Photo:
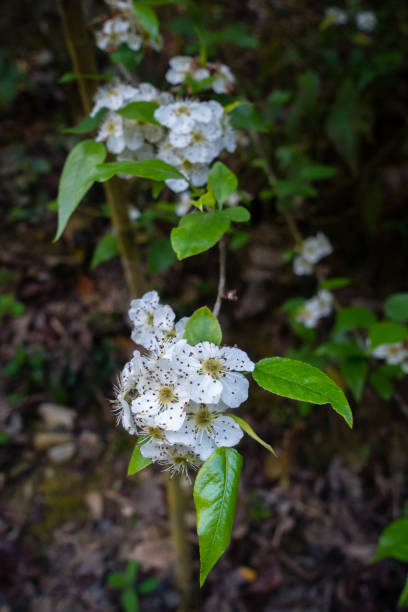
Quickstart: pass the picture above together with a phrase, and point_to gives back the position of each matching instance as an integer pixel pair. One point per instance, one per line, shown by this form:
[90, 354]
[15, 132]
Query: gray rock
[62, 452]
[57, 416]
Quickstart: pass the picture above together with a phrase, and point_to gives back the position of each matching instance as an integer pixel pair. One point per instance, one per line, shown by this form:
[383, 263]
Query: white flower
[301, 267]
[336, 15]
[224, 80]
[111, 131]
[394, 353]
[113, 33]
[212, 373]
[325, 301]
[366, 21]
[184, 204]
[113, 96]
[177, 459]
[308, 314]
[181, 116]
[165, 400]
[125, 393]
[314, 248]
[150, 318]
[206, 428]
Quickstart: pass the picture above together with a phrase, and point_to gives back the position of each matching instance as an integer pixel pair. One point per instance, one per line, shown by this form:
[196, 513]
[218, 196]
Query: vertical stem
[183, 567]
[222, 277]
[83, 62]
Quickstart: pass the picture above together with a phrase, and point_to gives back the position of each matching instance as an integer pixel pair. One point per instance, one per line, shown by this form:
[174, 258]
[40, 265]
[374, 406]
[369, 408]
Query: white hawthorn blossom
[113, 96]
[175, 396]
[336, 15]
[310, 313]
[183, 67]
[394, 353]
[111, 131]
[366, 21]
[312, 250]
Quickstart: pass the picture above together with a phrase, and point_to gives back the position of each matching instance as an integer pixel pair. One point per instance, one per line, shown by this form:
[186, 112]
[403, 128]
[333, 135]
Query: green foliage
[215, 498]
[355, 370]
[139, 111]
[199, 231]
[127, 57]
[394, 541]
[131, 591]
[77, 178]
[137, 461]
[106, 249]
[10, 306]
[248, 430]
[222, 181]
[351, 318]
[203, 326]
[245, 116]
[301, 381]
[88, 123]
[334, 283]
[153, 169]
[385, 332]
[396, 307]
[160, 256]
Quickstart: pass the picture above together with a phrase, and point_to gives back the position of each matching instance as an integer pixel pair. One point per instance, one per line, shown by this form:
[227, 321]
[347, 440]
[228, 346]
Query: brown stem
[222, 277]
[183, 567]
[83, 62]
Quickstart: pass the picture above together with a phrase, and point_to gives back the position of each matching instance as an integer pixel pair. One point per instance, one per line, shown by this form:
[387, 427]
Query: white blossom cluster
[320, 305]
[175, 396]
[185, 204]
[394, 353]
[312, 250]
[183, 67]
[336, 15]
[125, 27]
[365, 20]
[188, 134]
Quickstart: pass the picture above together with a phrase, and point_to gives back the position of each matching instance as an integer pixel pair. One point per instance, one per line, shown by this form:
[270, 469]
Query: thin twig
[222, 246]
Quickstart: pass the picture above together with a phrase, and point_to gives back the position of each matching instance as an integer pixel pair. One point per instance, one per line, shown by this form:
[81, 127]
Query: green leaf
[148, 586]
[381, 383]
[77, 178]
[137, 461]
[139, 111]
[386, 332]
[403, 600]
[203, 326]
[215, 498]
[153, 169]
[147, 18]
[197, 232]
[394, 541]
[334, 283]
[355, 372]
[117, 581]
[396, 307]
[127, 57]
[73, 76]
[301, 381]
[351, 318]
[237, 213]
[245, 116]
[106, 249]
[131, 571]
[248, 430]
[130, 600]
[285, 188]
[160, 256]
[342, 348]
[316, 172]
[88, 124]
[222, 181]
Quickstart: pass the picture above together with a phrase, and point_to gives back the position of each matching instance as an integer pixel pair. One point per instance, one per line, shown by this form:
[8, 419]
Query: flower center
[113, 92]
[170, 334]
[166, 395]
[111, 127]
[212, 366]
[197, 138]
[203, 418]
[183, 110]
[155, 432]
[150, 319]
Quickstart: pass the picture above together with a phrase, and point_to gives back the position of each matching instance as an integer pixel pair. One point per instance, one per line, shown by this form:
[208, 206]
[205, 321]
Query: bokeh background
[308, 522]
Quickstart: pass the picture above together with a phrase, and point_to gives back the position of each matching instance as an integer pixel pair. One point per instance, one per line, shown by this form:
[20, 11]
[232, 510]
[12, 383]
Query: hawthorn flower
[111, 131]
[115, 32]
[308, 313]
[113, 96]
[302, 267]
[315, 248]
[224, 79]
[325, 302]
[366, 21]
[125, 393]
[393, 353]
[206, 428]
[336, 15]
[149, 317]
[176, 459]
[164, 399]
[183, 66]
[181, 116]
[212, 373]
